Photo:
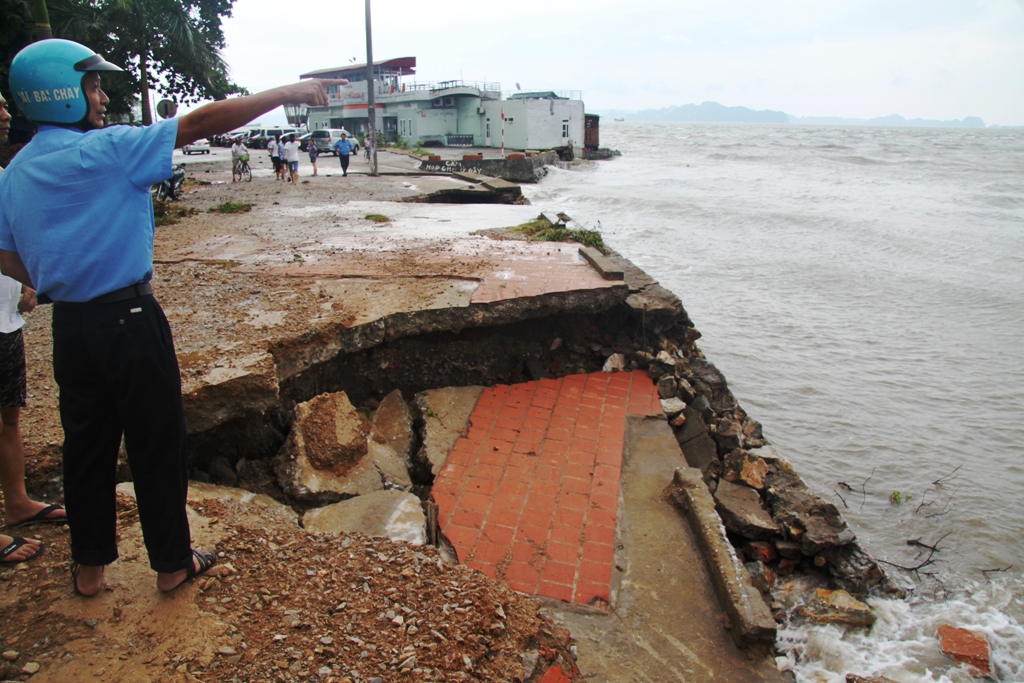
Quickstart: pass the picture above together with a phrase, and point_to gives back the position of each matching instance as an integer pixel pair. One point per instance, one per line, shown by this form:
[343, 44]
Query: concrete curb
[602, 264]
[752, 625]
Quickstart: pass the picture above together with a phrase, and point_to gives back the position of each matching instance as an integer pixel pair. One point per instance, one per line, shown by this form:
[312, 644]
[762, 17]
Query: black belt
[129, 292]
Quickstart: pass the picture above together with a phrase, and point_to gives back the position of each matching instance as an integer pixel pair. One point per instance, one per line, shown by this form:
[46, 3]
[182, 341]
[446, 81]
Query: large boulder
[394, 514]
[328, 455]
[701, 454]
[393, 422]
[743, 467]
[728, 435]
[742, 512]
[707, 373]
[837, 607]
[445, 414]
[805, 517]
[855, 570]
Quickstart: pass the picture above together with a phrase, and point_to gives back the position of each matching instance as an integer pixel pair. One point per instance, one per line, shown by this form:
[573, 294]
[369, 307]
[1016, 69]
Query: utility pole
[42, 17]
[371, 110]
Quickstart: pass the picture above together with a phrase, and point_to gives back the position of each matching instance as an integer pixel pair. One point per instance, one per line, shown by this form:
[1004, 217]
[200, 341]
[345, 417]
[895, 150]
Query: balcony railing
[564, 94]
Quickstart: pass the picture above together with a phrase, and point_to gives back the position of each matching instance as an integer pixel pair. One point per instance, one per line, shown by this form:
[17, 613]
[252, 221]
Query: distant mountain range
[713, 112]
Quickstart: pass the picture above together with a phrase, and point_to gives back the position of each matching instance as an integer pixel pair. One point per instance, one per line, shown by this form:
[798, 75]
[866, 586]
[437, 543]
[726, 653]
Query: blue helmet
[46, 79]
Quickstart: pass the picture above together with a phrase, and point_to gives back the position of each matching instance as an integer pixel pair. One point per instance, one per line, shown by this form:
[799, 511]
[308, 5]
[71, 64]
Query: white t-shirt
[291, 150]
[272, 147]
[10, 295]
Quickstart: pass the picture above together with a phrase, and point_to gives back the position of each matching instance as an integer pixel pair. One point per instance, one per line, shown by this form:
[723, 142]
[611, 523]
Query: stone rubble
[331, 454]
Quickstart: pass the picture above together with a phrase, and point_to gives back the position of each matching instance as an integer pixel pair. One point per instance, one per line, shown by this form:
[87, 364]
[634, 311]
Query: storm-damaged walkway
[530, 495]
[555, 486]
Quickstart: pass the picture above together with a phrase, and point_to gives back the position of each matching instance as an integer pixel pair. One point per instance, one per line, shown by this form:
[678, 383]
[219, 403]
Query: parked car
[259, 138]
[226, 139]
[326, 137]
[304, 142]
[200, 146]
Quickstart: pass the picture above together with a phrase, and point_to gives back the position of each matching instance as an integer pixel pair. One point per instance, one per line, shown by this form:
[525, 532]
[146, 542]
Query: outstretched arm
[226, 115]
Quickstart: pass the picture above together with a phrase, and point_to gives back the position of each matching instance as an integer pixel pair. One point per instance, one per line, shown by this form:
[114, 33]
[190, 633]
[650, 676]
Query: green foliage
[541, 229]
[231, 207]
[377, 218]
[173, 45]
[422, 152]
[897, 497]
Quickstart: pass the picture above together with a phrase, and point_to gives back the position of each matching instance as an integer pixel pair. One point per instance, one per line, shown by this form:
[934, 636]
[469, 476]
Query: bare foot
[26, 551]
[88, 580]
[202, 560]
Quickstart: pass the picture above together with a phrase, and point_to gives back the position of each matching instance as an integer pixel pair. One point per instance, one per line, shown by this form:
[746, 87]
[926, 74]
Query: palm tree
[176, 41]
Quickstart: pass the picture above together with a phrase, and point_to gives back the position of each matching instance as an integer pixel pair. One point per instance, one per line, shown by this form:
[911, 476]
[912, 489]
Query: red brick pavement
[531, 493]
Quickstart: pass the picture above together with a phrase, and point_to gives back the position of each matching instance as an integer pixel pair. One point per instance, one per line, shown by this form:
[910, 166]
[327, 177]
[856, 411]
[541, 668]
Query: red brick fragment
[966, 647]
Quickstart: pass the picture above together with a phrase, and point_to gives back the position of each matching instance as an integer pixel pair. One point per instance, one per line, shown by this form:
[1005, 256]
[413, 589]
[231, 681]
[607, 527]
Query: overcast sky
[937, 59]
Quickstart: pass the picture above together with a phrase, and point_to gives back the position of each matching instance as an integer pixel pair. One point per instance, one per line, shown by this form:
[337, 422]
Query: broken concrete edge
[753, 627]
[296, 356]
[601, 264]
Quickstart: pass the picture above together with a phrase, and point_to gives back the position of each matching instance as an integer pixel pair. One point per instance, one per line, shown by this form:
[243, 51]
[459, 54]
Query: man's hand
[313, 92]
[28, 300]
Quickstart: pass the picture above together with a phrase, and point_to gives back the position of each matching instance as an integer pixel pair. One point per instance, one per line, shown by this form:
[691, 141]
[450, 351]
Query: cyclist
[237, 150]
[90, 251]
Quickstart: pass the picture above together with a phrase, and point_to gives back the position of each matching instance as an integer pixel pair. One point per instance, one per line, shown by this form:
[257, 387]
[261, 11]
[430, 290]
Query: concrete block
[753, 627]
[602, 264]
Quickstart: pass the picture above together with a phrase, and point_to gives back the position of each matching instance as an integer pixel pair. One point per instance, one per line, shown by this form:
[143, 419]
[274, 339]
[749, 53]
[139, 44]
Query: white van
[325, 138]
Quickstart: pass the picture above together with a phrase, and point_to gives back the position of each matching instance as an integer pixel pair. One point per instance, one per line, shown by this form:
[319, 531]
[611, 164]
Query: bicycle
[242, 170]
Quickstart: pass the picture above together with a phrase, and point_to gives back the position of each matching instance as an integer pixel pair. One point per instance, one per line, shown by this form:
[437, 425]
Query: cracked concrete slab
[665, 623]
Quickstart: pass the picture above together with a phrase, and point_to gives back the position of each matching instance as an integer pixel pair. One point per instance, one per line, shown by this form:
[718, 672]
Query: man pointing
[76, 223]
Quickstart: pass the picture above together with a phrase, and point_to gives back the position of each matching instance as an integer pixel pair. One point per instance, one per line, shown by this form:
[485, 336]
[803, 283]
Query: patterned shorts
[12, 370]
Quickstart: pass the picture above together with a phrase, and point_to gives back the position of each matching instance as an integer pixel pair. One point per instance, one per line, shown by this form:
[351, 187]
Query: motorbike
[171, 187]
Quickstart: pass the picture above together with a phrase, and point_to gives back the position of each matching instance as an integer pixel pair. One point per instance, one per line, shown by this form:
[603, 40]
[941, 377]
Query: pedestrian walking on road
[276, 157]
[344, 148]
[314, 152]
[76, 223]
[291, 158]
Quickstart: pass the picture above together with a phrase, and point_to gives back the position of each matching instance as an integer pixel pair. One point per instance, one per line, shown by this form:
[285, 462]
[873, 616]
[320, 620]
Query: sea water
[862, 289]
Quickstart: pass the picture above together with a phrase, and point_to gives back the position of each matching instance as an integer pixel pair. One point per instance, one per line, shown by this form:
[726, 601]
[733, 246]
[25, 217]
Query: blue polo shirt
[343, 146]
[77, 208]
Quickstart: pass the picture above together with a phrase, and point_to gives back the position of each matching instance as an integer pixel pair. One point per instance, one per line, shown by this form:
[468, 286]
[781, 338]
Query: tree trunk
[42, 17]
[147, 112]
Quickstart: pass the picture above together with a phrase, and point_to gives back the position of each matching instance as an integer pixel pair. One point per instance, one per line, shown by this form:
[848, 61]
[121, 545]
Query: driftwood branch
[951, 476]
[863, 489]
[986, 572]
[930, 559]
[841, 498]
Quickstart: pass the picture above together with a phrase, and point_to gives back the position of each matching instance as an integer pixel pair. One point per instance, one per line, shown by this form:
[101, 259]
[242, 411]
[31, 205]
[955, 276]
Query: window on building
[487, 126]
[565, 129]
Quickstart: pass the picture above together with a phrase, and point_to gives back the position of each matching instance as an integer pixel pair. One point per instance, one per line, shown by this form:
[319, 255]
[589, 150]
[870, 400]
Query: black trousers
[343, 158]
[118, 374]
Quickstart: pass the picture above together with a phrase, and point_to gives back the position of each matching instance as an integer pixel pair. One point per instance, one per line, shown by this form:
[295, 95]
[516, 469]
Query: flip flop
[17, 542]
[205, 559]
[42, 517]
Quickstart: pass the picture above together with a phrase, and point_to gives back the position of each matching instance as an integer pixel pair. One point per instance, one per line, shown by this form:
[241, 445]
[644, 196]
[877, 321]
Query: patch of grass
[231, 207]
[377, 218]
[422, 152]
[165, 213]
[541, 229]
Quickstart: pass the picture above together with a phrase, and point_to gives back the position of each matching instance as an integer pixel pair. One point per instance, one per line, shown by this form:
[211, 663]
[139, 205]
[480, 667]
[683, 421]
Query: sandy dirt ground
[281, 605]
